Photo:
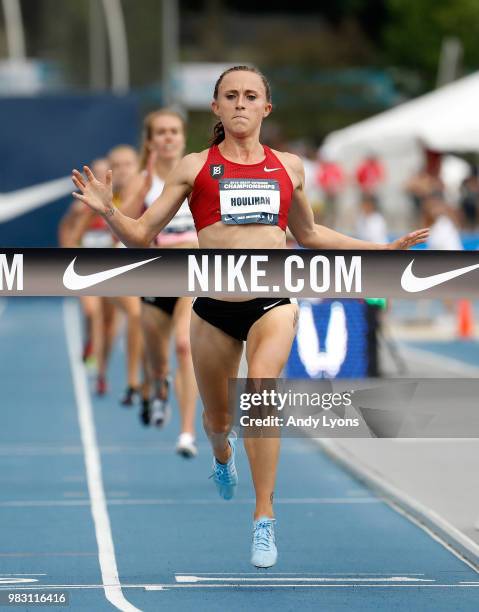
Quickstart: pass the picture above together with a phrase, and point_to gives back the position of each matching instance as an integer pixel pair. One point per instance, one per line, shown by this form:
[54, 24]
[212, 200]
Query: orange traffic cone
[465, 319]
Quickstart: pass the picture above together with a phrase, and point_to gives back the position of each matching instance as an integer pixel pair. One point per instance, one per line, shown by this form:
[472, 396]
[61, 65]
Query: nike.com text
[233, 273]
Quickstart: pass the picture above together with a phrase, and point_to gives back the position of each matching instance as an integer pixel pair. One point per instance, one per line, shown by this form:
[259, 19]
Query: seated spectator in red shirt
[370, 174]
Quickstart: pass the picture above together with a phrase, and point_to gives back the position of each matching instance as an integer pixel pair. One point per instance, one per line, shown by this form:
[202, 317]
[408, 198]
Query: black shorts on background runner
[166, 304]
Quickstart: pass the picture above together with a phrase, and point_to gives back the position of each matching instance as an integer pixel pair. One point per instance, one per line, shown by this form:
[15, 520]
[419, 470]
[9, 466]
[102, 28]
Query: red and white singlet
[98, 235]
[237, 194]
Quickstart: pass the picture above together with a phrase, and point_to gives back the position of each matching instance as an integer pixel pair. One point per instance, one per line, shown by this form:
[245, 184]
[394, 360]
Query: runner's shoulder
[190, 166]
[293, 165]
[290, 161]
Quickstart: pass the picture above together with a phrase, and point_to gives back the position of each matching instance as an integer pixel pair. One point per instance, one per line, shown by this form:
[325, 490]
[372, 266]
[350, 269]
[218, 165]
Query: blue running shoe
[224, 474]
[263, 549]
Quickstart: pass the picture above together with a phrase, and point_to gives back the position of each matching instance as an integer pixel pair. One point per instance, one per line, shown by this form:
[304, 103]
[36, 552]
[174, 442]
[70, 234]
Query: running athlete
[81, 227]
[124, 161]
[242, 99]
[164, 317]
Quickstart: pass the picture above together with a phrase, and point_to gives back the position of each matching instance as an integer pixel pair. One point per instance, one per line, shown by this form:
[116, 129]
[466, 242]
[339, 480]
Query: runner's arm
[313, 236]
[134, 232]
[67, 222]
[79, 227]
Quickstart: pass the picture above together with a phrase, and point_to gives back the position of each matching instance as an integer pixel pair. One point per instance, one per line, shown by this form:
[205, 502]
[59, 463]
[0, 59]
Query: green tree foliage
[416, 28]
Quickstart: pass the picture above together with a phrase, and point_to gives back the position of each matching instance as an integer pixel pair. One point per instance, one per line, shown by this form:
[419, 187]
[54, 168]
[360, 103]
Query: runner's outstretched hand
[410, 240]
[97, 195]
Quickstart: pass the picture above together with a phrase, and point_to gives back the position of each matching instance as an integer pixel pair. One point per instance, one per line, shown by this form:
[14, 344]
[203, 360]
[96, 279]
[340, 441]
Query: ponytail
[218, 134]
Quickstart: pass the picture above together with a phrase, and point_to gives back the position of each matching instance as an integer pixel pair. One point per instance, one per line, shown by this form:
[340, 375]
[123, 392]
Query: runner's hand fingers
[78, 176]
[89, 174]
[78, 184]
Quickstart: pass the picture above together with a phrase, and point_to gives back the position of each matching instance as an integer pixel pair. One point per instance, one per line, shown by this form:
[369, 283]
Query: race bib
[181, 222]
[249, 201]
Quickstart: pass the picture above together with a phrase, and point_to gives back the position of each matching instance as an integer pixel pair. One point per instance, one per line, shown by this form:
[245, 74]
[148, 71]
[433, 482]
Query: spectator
[443, 228]
[427, 182]
[371, 224]
[370, 174]
[470, 199]
[330, 178]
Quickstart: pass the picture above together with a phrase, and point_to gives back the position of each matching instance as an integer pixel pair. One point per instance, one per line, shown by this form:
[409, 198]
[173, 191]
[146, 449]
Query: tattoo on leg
[271, 497]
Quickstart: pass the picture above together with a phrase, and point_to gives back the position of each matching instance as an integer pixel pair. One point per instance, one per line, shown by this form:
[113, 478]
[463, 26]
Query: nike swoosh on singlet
[412, 284]
[271, 305]
[270, 169]
[76, 282]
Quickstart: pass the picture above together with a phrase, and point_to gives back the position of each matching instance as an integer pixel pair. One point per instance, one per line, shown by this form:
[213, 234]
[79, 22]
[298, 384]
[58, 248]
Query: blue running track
[177, 546]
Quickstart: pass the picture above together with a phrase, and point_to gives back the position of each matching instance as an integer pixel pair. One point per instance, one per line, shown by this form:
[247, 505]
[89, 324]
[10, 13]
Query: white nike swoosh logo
[76, 282]
[270, 169]
[271, 305]
[21, 201]
[411, 283]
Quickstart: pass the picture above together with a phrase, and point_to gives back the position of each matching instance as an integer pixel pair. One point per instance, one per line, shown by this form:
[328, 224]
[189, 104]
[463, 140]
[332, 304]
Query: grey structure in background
[97, 47]
[115, 24]
[170, 49]
[14, 29]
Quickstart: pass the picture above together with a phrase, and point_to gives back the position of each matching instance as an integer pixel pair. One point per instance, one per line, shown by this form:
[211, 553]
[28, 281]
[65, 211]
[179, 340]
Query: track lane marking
[101, 520]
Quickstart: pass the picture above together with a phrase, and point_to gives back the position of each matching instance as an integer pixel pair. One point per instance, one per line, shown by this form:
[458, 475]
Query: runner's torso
[241, 205]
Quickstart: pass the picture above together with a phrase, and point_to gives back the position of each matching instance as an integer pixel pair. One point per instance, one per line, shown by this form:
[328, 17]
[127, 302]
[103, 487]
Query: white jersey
[444, 235]
[182, 221]
[372, 228]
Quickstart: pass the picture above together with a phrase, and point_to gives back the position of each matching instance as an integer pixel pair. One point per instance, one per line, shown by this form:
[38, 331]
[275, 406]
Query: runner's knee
[182, 346]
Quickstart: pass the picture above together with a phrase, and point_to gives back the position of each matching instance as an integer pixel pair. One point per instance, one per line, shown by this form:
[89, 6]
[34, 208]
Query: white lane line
[166, 585]
[302, 574]
[13, 580]
[44, 503]
[300, 585]
[49, 503]
[279, 501]
[106, 549]
[53, 450]
[319, 579]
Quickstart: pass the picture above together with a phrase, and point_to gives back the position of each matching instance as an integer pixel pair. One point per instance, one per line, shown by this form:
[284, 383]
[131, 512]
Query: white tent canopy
[446, 119]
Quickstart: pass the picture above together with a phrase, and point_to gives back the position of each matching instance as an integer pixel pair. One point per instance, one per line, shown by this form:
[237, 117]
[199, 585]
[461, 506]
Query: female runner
[242, 99]
[163, 317]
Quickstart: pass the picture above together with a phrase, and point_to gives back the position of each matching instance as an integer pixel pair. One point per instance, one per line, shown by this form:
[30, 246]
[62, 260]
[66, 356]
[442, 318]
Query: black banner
[238, 273]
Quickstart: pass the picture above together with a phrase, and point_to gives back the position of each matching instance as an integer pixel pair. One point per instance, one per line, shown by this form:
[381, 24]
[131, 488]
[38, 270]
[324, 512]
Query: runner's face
[241, 103]
[124, 165]
[167, 137]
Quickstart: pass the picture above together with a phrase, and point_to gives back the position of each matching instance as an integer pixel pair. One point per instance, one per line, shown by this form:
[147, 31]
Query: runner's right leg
[185, 381]
[157, 328]
[108, 333]
[216, 358]
[131, 306]
[93, 326]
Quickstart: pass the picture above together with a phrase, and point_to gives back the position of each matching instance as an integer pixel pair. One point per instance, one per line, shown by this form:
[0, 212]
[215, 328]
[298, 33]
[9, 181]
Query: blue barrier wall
[43, 139]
